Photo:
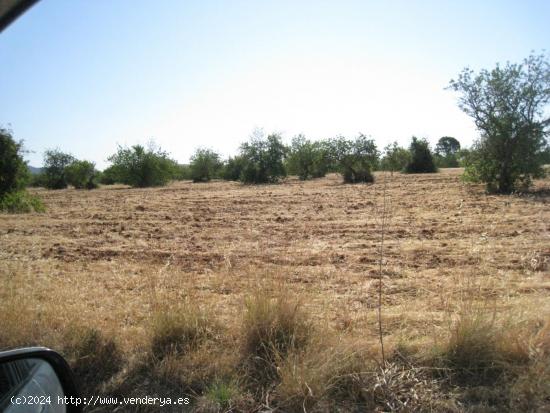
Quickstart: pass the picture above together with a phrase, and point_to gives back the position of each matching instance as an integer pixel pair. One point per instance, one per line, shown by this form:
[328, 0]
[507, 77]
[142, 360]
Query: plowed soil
[108, 255]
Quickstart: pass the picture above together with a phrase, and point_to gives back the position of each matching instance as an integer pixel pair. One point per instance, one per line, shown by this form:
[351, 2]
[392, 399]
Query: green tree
[14, 174]
[182, 172]
[205, 165]
[82, 174]
[446, 152]
[233, 168]
[508, 106]
[108, 176]
[263, 159]
[307, 159]
[462, 156]
[545, 155]
[447, 145]
[395, 158]
[421, 157]
[354, 159]
[55, 164]
[142, 167]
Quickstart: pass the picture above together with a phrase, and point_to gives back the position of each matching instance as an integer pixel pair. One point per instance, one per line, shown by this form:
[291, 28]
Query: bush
[446, 161]
[263, 159]
[421, 157]
[82, 174]
[395, 158]
[141, 167]
[55, 164]
[478, 353]
[38, 180]
[21, 202]
[307, 159]
[107, 176]
[354, 159]
[205, 165]
[233, 168]
[14, 173]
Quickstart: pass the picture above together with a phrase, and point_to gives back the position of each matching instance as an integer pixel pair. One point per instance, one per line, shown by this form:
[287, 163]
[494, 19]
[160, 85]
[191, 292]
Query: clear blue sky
[85, 75]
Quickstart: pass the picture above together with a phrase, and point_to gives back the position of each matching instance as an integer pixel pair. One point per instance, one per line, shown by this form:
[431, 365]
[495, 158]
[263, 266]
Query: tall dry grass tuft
[321, 377]
[271, 329]
[531, 390]
[475, 353]
[181, 329]
[94, 357]
[188, 348]
[19, 325]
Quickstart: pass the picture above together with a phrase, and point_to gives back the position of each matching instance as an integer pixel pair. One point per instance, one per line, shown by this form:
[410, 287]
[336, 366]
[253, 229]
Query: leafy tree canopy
[421, 160]
[307, 159]
[82, 174]
[55, 163]
[205, 165]
[395, 158]
[14, 173]
[139, 166]
[263, 159]
[354, 158]
[447, 145]
[508, 106]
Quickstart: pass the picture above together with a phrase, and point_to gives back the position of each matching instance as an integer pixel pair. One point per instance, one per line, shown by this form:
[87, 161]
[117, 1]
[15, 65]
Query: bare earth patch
[104, 253]
[111, 258]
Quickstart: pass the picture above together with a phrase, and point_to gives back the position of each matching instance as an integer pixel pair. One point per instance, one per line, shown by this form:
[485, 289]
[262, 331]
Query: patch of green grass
[222, 393]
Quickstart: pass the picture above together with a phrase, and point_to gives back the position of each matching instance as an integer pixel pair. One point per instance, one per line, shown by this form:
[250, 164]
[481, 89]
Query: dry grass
[272, 328]
[465, 281]
[180, 329]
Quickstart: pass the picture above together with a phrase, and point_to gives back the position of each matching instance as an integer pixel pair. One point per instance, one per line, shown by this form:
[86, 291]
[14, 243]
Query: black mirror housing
[56, 362]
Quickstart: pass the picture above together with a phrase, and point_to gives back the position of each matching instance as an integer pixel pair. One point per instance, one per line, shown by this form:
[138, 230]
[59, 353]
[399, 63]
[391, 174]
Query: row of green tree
[263, 159]
[509, 105]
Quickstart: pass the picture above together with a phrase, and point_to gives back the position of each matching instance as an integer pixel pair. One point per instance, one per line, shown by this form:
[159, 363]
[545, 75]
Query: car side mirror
[36, 379]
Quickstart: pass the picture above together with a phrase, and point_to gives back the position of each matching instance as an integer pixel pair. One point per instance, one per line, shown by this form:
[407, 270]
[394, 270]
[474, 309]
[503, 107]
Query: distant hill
[34, 171]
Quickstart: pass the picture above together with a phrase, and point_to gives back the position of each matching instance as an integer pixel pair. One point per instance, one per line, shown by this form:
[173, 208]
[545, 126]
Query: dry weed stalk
[383, 224]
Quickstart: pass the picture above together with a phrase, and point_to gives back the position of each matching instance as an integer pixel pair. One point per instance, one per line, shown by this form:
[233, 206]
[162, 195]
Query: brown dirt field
[106, 257]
